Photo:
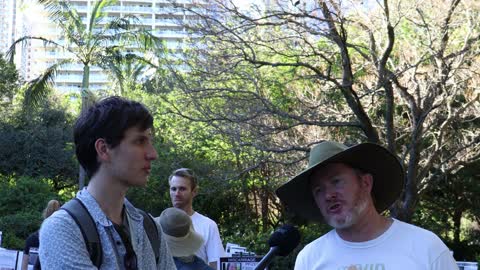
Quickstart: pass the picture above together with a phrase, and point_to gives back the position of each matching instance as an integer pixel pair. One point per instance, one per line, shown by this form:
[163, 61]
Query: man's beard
[352, 216]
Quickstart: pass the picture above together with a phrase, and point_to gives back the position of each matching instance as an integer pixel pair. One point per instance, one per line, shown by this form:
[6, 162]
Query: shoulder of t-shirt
[419, 231]
[205, 218]
[421, 235]
[431, 243]
[319, 241]
[58, 221]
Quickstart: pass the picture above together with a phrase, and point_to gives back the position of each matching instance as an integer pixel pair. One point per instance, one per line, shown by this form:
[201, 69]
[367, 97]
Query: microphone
[281, 243]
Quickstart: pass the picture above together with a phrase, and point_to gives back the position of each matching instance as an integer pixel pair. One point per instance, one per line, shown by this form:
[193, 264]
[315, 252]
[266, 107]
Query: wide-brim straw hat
[387, 171]
[179, 234]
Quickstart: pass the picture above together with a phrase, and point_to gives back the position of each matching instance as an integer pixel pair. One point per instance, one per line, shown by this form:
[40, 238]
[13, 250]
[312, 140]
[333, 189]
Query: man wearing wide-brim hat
[349, 188]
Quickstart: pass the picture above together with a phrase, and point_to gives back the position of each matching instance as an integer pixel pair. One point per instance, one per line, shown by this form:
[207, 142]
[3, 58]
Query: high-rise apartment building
[7, 23]
[162, 17]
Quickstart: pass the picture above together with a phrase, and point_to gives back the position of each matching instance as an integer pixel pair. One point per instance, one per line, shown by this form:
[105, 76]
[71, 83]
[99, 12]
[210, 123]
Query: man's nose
[330, 194]
[151, 153]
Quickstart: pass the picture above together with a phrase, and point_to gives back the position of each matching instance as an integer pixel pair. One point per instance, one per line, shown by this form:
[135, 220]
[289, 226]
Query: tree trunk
[457, 219]
[85, 104]
[404, 207]
[265, 208]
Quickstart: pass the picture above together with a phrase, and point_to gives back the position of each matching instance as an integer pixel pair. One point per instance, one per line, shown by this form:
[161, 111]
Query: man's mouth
[335, 208]
[177, 202]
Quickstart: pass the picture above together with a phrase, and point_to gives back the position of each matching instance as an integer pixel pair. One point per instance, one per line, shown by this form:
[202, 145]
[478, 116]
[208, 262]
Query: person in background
[32, 243]
[182, 240]
[349, 188]
[183, 188]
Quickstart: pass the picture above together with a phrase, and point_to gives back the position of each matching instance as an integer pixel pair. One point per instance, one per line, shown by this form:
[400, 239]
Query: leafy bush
[22, 200]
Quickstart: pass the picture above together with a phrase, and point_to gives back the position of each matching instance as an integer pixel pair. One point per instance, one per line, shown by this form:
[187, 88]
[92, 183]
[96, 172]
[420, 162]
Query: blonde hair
[52, 206]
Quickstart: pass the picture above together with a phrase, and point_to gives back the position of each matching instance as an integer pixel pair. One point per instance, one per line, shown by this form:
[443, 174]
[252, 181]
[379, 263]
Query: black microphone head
[286, 238]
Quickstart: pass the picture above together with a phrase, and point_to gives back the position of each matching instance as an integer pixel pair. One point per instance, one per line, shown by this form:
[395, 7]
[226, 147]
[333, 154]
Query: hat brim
[184, 246]
[387, 172]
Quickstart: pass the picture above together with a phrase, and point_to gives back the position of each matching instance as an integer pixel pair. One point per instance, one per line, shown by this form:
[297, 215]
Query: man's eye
[317, 190]
[338, 182]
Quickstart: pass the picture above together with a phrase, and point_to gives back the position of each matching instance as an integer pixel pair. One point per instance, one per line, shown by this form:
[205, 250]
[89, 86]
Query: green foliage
[22, 200]
[9, 79]
[450, 208]
[17, 227]
[9, 85]
[39, 144]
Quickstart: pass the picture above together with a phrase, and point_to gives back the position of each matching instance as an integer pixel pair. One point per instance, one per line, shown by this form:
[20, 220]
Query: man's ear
[101, 148]
[367, 181]
[195, 191]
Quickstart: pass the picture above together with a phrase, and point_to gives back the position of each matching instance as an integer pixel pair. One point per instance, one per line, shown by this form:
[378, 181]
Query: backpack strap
[152, 232]
[85, 223]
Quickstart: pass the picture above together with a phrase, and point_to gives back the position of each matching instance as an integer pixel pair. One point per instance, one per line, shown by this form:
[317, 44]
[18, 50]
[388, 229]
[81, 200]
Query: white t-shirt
[403, 246]
[212, 248]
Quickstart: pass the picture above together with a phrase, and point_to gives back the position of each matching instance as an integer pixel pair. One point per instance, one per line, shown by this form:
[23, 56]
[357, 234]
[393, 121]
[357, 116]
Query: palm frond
[147, 40]
[119, 25]
[10, 55]
[39, 88]
[54, 8]
[137, 69]
[133, 57]
[98, 13]
[75, 30]
[113, 64]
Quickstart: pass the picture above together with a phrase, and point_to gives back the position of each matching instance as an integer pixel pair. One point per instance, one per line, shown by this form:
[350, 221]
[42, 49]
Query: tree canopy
[285, 77]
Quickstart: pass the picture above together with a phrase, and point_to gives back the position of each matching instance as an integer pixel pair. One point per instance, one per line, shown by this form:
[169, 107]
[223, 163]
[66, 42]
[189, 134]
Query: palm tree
[126, 70]
[91, 42]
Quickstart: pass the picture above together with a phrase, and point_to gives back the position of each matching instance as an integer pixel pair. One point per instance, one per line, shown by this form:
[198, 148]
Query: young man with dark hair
[113, 143]
[183, 188]
[349, 188]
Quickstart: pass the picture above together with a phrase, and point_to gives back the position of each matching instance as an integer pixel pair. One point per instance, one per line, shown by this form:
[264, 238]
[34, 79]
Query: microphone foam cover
[286, 238]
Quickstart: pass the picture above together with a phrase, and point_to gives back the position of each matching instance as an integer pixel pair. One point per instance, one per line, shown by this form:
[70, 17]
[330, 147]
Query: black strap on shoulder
[84, 220]
[152, 232]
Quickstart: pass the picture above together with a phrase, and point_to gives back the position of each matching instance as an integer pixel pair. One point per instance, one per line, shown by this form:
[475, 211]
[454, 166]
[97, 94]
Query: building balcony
[169, 34]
